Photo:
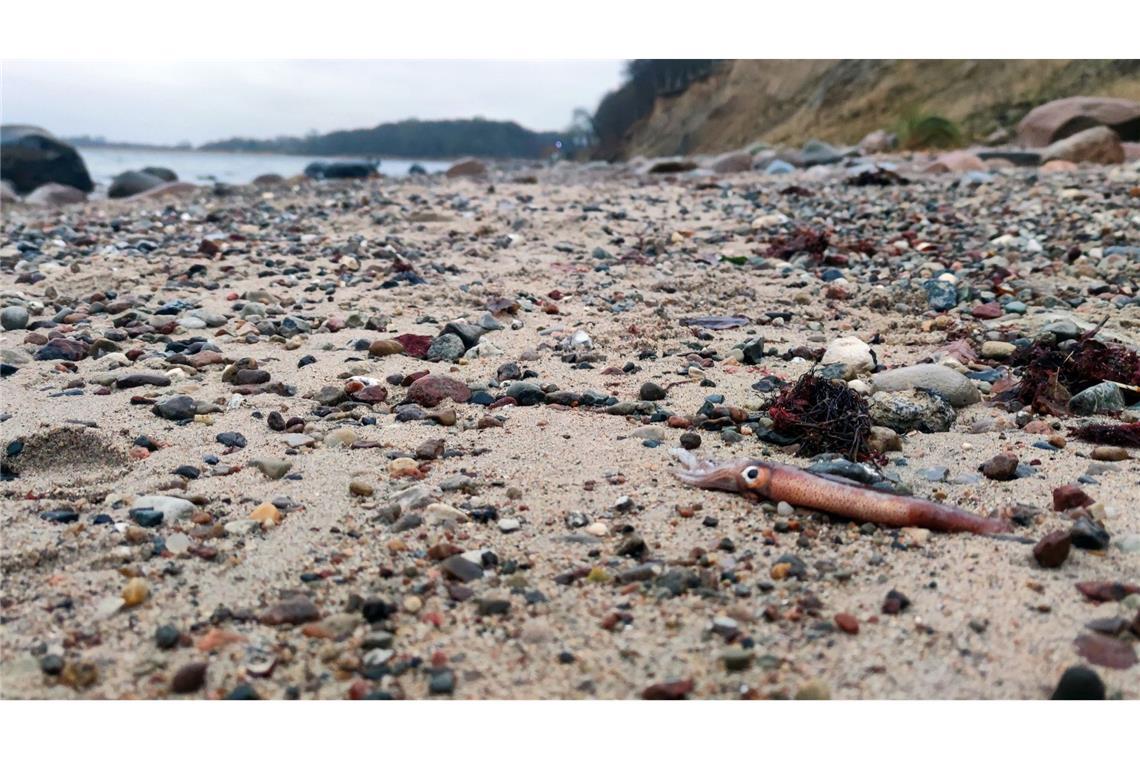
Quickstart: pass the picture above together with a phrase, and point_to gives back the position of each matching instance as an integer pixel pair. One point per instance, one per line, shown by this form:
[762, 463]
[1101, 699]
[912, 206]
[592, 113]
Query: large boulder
[1063, 118]
[30, 157]
[55, 194]
[470, 167]
[132, 183]
[1099, 145]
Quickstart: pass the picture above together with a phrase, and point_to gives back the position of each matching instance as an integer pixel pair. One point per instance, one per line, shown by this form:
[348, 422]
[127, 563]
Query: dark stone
[134, 381]
[176, 408]
[164, 174]
[442, 682]
[465, 331]
[231, 440]
[243, 692]
[132, 183]
[166, 636]
[753, 351]
[51, 665]
[147, 518]
[526, 394]
[31, 157]
[1088, 534]
[1079, 682]
[376, 609]
[487, 607]
[940, 295]
[189, 678]
[651, 392]
[60, 515]
[62, 349]
[1053, 549]
[895, 602]
[341, 169]
[690, 441]
[461, 569]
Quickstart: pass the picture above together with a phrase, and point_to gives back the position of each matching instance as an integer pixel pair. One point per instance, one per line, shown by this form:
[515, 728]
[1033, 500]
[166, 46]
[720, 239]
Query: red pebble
[1069, 497]
[847, 623]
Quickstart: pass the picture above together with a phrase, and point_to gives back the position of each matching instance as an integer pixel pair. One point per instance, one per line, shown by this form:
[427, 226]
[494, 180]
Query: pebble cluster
[380, 439]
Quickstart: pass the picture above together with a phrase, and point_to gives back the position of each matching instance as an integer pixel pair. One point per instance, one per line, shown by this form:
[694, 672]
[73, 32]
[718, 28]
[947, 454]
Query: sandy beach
[289, 533]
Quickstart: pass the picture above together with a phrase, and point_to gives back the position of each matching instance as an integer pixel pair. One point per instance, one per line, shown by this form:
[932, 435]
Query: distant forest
[410, 139]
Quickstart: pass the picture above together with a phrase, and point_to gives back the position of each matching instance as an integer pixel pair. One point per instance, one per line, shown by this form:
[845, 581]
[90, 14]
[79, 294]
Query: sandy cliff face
[840, 101]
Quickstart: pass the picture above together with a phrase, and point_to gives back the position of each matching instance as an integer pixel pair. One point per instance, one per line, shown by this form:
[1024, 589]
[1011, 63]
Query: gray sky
[166, 102]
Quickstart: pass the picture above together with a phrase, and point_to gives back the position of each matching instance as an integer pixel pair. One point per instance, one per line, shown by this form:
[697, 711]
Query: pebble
[1079, 682]
[135, 592]
[189, 678]
[272, 468]
[1000, 467]
[1110, 454]
[14, 318]
[1053, 549]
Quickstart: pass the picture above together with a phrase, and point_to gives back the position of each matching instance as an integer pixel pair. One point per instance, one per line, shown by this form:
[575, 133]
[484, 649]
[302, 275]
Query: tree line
[411, 138]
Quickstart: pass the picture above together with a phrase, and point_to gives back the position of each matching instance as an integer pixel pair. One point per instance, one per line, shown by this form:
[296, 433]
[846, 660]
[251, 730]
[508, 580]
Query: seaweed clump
[803, 240]
[1127, 434]
[823, 416]
[1052, 375]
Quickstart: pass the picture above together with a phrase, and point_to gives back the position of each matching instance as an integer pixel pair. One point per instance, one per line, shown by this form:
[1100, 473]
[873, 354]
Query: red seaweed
[1126, 434]
[1052, 375]
[823, 416]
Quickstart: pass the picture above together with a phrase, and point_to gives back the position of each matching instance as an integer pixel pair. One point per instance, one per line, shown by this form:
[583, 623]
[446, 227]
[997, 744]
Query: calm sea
[233, 168]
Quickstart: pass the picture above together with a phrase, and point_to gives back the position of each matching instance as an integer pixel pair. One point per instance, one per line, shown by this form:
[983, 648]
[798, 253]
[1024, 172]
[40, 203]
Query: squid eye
[751, 474]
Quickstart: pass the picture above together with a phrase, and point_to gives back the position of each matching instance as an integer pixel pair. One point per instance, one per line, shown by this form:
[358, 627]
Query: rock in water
[31, 157]
[132, 183]
[470, 167]
[164, 174]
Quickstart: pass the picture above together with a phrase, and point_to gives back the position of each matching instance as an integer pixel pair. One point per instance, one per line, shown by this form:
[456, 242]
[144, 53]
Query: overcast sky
[167, 102]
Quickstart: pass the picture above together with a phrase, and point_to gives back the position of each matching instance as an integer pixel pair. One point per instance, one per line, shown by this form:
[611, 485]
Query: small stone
[447, 347]
[895, 602]
[813, 690]
[1053, 549]
[651, 392]
[1068, 497]
[135, 592]
[431, 390]
[1089, 535]
[176, 408]
[403, 467]
[167, 636]
[442, 681]
[189, 678]
[266, 514]
[461, 569]
[385, 347]
[293, 611]
[852, 353]
[996, 349]
[1000, 467]
[690, 441]
[1109, 454]
[358, 487]
[1079, 682]
[509, 525]
[272, 468]
[847, 623]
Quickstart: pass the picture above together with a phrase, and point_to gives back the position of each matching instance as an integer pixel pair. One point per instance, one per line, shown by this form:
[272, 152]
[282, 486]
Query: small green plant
[918, 131]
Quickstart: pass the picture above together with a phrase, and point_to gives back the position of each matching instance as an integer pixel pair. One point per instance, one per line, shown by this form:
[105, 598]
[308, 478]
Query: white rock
[171, 507]
[509, 525]
[438, 513]
[852, 353]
